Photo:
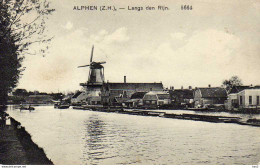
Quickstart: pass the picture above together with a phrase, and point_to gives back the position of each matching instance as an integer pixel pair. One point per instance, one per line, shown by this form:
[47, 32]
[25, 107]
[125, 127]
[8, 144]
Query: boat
[251, 122]
[61, 106]
[201, 109]
[27, 108]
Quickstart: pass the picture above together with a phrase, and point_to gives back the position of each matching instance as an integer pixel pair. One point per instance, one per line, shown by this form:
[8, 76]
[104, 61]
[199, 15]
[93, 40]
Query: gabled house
[155, 99]
[163, 99]
[181, 97]
[136, 100]
[80, 98]
[204, 97]
[75, 98]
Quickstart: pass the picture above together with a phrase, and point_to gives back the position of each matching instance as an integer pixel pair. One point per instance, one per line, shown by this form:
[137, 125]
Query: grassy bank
[17, 147]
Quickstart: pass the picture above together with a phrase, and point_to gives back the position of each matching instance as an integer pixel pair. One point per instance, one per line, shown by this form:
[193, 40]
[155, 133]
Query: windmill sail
[96, 71]
[83, 66]
[91, 56]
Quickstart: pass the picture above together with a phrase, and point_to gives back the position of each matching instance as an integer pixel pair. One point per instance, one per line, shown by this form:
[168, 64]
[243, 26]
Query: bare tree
[22, 24]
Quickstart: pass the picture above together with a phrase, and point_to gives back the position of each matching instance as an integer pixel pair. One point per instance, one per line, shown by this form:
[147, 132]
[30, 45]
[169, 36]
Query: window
[257, 100]
[250, 99]
[241, 100]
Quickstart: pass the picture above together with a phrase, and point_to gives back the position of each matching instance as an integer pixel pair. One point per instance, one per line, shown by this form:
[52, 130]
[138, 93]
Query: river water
[71, 136]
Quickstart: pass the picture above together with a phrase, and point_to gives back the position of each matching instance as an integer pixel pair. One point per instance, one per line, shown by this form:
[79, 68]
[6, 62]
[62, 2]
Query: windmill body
[95, 81]
[96, 75]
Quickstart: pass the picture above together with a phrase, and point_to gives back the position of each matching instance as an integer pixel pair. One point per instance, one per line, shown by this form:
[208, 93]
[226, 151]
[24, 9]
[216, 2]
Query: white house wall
[245, 97]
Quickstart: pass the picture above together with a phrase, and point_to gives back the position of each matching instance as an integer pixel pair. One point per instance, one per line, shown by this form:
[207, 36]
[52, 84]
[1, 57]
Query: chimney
[209, 85]
[124, 79]
[181, 87]
[190, 87]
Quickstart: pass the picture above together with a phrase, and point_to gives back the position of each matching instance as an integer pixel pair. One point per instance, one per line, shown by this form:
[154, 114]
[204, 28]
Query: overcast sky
[203, 46]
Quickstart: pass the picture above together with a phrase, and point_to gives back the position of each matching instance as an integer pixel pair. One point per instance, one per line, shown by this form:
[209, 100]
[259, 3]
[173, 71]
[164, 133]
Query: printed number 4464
[186, 7]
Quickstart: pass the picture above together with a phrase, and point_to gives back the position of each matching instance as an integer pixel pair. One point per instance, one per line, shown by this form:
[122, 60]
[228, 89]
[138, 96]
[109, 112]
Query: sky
[206, 45]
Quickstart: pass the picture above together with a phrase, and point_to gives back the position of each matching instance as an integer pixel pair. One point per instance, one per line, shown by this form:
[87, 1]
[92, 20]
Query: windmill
[96, 71]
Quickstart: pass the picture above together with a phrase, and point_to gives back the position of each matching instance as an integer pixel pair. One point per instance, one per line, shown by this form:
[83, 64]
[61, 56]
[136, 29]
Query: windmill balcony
[91, 84]
[83, 84]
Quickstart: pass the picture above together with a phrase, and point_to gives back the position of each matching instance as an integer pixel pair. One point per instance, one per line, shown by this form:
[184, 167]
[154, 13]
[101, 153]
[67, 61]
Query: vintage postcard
[130, 82]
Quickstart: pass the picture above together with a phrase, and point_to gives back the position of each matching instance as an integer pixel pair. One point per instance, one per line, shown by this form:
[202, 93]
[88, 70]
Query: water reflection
[95, 134]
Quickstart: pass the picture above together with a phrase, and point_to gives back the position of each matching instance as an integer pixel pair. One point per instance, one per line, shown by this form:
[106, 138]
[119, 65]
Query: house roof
[156, 92]
[163, 96]
[76, 94]
[145, 87]
[213, 92]
[138, 95]
[150, 97]
[155, 95]
[236, 89]
[182, 93]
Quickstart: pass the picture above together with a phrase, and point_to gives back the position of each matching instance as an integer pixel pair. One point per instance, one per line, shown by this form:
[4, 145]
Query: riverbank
[185, 115]
[17, 147]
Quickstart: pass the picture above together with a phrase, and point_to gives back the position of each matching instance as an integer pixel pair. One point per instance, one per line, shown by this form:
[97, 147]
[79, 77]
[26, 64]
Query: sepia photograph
[133, 82]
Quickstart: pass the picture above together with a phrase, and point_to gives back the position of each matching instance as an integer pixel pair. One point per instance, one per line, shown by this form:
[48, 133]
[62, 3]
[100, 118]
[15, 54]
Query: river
[71, 136]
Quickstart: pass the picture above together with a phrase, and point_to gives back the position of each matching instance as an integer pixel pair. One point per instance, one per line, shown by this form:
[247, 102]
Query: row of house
[153, 95]
[150, 95]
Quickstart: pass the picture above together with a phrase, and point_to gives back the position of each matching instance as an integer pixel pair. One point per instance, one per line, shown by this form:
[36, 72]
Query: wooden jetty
[199, 117]
[143, 112]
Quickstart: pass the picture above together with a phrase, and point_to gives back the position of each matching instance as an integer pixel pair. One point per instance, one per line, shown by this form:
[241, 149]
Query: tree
[20, 92]
[233, 81]
[22, 24]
